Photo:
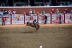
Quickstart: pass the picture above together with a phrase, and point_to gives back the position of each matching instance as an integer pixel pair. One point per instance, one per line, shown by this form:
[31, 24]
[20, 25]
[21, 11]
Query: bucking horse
[36, 25]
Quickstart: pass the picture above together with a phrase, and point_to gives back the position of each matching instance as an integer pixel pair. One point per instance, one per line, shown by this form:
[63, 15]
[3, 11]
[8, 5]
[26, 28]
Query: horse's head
[27, 23]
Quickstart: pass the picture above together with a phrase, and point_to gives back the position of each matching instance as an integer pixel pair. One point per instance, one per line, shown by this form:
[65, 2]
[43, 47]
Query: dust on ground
[48, 36]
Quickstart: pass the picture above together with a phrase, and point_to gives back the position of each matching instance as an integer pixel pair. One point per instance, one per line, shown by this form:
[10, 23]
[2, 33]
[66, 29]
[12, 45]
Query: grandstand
[35, 2]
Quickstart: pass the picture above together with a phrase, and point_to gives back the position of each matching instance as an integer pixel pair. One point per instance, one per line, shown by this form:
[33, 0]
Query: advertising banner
[31, 18]
[68, 18]
[18, 19]
[55, 18]
[42, 18]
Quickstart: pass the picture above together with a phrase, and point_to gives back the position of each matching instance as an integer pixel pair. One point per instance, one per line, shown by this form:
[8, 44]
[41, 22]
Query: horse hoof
[36, 29]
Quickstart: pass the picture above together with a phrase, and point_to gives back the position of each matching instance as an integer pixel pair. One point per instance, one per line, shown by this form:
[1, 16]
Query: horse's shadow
[35, 31]
[27, 32]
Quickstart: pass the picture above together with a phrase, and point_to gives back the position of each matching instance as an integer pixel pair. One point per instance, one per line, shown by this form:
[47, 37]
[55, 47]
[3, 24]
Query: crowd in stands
[3, 11]
[57, 4]
[4, 3]
[52, 11]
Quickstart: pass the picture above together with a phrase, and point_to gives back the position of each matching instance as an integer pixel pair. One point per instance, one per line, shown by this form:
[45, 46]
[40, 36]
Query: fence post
[64, 16]
[10, 17]
[71, 18]
[38, 17]
[24, 17]
[50, 17]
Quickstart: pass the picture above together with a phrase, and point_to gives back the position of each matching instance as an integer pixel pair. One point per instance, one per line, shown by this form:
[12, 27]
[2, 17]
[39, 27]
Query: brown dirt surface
[15, 25]
[48, 36]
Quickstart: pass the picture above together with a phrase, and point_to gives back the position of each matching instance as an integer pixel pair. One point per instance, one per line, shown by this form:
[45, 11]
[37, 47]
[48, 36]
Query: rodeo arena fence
[23, 18]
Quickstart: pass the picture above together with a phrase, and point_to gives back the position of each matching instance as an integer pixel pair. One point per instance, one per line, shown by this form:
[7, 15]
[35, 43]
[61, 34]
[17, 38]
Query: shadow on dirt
[33, 31]
[27, 32]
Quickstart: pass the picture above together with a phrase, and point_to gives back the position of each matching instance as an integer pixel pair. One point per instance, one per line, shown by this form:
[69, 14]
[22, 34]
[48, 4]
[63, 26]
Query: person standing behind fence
[45, 20]
[66, 10]
[3, 20]
[14, 12]
[34, 12]
[30, 12]
[3, 10]
[57, 11]
[53, 11]
[9, 12]
[60, 18]
[42, 12]
[34, 22]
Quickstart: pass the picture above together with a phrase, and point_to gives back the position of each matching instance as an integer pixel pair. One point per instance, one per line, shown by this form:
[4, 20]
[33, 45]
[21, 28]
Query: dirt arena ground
[48, 36]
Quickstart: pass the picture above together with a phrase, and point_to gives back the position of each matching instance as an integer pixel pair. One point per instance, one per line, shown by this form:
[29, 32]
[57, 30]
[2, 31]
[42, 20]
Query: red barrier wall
[20, 10]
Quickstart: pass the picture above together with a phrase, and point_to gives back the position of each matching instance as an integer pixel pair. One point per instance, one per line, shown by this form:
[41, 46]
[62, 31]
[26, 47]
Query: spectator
[34, 12]
[34, 22]
[9, 12]
[4, 3]
[6, 12]
[68, 3]
[3, 10]
[71, 4]
[3, 20]
[45, 19]
[14, 11]
[57, 11]
[47, 4]
[58, 3]
[60, 22]
[61, 4]
[1, 13]
[30, 12]
[53, 11]
[66, 10]
[42, 12]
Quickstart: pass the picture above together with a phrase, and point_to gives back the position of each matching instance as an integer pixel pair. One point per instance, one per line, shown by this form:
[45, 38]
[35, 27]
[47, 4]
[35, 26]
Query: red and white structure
[51, 18]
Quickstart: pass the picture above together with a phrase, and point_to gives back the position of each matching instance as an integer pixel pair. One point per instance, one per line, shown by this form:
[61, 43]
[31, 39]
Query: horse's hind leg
[37, 27]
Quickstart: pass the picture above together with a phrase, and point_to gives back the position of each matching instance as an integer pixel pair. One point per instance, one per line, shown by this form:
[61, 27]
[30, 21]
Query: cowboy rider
[34, 22]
